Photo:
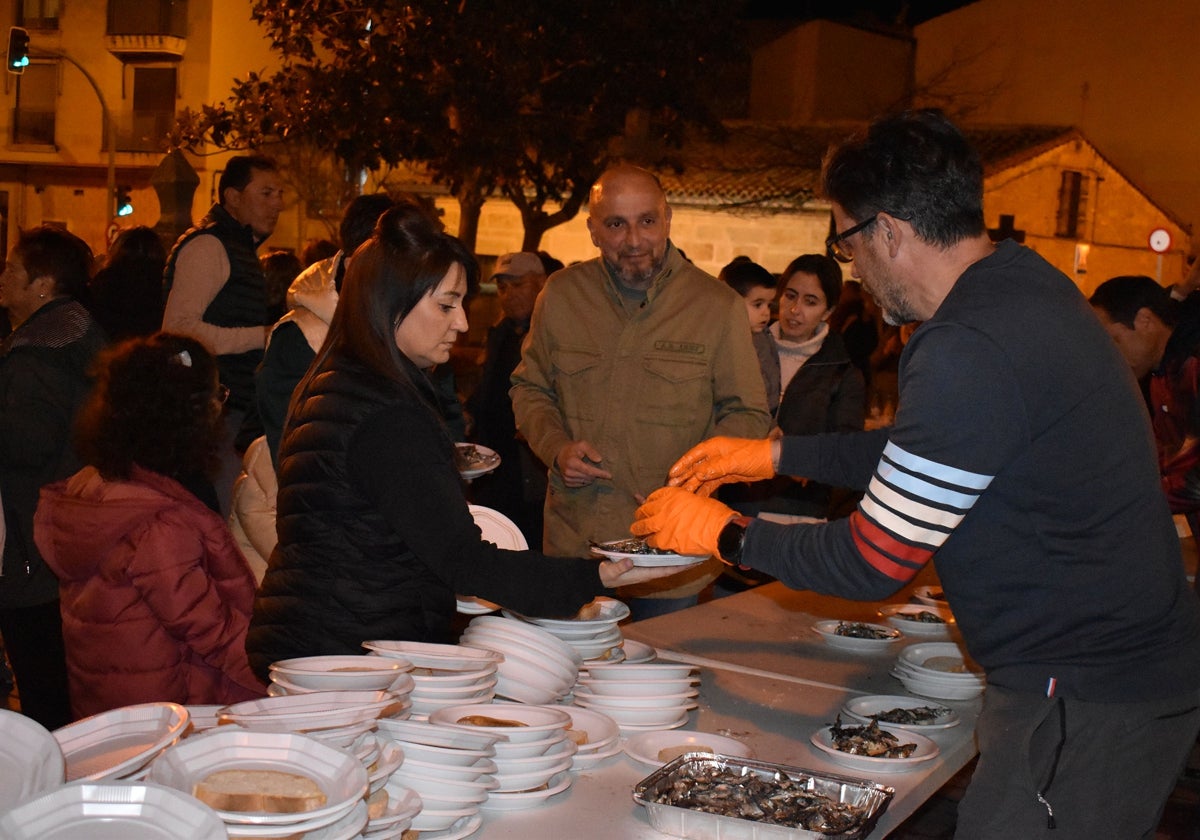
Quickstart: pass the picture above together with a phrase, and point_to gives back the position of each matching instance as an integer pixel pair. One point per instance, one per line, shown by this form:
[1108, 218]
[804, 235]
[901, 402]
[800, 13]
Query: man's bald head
[630, 223]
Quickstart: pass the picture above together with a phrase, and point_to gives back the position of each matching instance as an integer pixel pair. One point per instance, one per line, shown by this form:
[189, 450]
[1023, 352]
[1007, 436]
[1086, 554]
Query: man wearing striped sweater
[1022, 464]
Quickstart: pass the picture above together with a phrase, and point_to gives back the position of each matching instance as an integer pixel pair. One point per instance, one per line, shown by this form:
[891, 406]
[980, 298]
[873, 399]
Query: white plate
[641, 558]
[513, 646]
[30, 760]
[527, 633]
[610, 612]
[296, 829]
[516, 800]
[430, 655]
[315, 710]
[586, 761]
[932, 595]
[827, 631]
[939, 691]
[119, 741]
[683, 699]
[325, 673]
[112, 811]
[540, 721]
[481, 462]
[437, 819]
[940, 660]
[651, 727]
[438, 735]
[338, 773]
[640, 671]
[462, 827]
[897, 616]
[202, 717]
[926, 749]
[861, 708]
[645, 746]
[496, 528]
[403, 804]
[468, 605]
[637, 688]
[599, 727]
[636, 652]
[347, 828]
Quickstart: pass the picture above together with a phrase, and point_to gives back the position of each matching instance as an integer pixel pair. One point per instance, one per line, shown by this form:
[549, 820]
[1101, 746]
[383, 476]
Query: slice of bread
[272, 791]
[484, 720]
[590, 612]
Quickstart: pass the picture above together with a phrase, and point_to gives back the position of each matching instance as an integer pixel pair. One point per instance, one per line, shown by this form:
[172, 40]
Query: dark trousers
[1102, 769]
[34, 642]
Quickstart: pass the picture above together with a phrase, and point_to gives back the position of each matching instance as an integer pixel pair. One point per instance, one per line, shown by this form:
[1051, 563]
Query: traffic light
[18, 49]
[124, 201]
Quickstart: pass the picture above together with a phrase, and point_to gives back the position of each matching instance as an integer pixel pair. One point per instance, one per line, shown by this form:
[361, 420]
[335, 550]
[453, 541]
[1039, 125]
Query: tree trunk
[470, 206]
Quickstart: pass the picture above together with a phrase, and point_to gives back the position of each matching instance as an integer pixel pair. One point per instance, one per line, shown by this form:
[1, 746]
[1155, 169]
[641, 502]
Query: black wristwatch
[731, 539]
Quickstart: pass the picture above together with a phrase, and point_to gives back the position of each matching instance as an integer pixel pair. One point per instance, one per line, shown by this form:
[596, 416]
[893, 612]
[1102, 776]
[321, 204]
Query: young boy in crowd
[756, 285]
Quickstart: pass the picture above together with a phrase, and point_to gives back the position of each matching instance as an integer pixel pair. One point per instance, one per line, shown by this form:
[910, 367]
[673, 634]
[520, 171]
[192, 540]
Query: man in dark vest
[216, 292]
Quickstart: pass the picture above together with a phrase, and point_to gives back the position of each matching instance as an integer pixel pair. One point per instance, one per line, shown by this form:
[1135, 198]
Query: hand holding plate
[614, 573]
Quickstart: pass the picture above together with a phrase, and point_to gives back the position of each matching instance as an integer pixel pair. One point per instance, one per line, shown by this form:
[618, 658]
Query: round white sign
[1160, 240]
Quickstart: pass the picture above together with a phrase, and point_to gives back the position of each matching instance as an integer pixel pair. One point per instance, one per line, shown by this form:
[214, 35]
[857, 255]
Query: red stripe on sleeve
[872, 541]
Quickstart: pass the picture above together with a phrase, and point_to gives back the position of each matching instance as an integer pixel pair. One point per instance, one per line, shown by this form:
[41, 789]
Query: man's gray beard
[637, 281]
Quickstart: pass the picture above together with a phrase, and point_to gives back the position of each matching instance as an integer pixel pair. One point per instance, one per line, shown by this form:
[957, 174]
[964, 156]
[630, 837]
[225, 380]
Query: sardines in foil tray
[702, 796]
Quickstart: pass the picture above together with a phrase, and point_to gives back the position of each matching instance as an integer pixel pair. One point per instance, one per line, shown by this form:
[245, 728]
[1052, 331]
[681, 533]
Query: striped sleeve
[911, 506]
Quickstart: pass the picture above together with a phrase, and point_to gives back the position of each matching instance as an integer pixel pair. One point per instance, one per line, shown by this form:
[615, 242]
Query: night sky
[887, 11]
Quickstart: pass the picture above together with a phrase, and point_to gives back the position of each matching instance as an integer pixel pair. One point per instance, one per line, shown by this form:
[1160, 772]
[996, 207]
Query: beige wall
[709, 239]
[1125, 73]
[1117, 224]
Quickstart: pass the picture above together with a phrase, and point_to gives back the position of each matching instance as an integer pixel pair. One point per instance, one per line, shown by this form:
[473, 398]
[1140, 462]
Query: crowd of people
[212, 460]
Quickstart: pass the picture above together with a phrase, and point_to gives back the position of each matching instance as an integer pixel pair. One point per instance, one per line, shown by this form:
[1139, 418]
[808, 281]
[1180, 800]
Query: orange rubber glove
[722, 460]
[676, 520]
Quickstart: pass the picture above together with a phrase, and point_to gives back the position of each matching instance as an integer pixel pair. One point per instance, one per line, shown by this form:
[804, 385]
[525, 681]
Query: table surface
[767, 679]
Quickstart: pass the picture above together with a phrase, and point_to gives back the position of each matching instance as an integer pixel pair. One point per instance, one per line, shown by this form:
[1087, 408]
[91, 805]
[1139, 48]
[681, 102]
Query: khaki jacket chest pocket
[579, 381]
[675, 391]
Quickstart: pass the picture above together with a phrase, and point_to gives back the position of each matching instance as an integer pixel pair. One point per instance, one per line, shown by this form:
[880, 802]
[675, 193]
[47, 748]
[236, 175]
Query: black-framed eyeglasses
[840, 252]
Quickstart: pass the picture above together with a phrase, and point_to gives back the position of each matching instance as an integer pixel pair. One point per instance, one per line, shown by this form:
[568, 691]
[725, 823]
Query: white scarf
[793, 354]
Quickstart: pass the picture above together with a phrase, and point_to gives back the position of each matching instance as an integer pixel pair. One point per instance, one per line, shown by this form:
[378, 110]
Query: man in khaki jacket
[631, 358]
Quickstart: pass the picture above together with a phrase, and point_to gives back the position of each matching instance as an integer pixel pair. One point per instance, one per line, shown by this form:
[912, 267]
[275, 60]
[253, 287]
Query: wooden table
[767, 679]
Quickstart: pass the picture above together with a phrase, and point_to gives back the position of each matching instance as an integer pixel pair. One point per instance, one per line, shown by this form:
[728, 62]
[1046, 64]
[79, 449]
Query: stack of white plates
[595, 734]
[343, 719]
[533, 763]
[538, 667]
[342, 673]
[597, 638]
[939, 669]
[639, 697]
[401, 805]
[449, 767]
[120, 743]
[31, 761]
[339, 775]
[434, 688]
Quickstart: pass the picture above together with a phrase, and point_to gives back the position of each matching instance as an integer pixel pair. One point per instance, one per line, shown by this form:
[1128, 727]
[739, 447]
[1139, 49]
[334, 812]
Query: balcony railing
[146, 30]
